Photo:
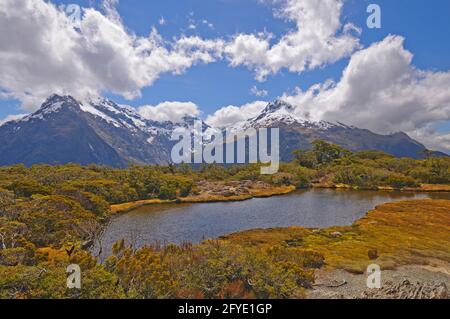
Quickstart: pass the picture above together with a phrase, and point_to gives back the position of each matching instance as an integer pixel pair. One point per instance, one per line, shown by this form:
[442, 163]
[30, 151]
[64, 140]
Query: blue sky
[424, 25]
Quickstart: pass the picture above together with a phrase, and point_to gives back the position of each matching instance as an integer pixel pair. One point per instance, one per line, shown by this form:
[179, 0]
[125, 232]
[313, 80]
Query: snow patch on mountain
[282, 113]
[89, 108]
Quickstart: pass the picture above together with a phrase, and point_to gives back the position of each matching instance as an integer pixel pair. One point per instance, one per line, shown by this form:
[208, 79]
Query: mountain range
[64, 130]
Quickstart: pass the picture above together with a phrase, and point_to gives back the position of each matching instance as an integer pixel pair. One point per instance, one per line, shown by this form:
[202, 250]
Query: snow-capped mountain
[119, 116]
[280, 112]
[99, 131]
[297, 132]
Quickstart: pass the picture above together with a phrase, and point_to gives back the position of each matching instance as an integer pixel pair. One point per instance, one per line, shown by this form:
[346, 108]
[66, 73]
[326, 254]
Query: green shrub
[167, 191]
[358, 175]
[399, 181]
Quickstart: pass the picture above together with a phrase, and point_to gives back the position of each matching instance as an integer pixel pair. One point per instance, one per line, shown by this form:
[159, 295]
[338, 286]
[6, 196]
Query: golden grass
[421, 188]
[274, 191]
[432, 188]
[127, 207]
[408, 232]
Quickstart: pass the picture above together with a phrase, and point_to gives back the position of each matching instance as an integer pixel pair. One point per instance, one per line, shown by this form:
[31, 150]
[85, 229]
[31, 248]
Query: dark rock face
[101, 132]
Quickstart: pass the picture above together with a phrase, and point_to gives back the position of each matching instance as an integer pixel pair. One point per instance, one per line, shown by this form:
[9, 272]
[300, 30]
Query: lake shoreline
[316, 208]
[201, 199]
[407, 239]
[268, 192]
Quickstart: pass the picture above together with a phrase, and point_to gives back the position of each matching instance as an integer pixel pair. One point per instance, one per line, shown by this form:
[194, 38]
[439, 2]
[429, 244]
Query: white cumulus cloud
[43, 52]
[10, 118]
[230, 115]
[433, 139]
[169, 111]
[257, 92]
[318, 39]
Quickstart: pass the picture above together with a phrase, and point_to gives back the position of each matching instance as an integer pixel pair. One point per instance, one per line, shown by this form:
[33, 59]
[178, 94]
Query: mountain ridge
[99, 131]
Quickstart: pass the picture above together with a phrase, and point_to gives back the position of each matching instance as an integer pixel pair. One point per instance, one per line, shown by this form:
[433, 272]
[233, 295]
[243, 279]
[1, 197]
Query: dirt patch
[406, 282]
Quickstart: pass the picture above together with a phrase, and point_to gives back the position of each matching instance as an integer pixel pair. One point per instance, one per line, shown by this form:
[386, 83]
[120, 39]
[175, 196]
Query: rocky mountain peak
[277, 112]
[277, 105]
[54, 104]
[189, 121]
[54, 98]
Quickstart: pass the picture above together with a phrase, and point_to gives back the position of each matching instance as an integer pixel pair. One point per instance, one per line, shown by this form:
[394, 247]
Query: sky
[223, 60]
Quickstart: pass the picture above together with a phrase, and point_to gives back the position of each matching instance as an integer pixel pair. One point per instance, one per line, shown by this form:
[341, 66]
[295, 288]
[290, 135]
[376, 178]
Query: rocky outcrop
[230, 189]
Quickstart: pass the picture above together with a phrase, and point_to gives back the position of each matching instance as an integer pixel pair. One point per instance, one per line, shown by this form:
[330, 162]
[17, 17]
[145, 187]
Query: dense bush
[360, 176]
[167, 191]
[211, 270]
[370, 169]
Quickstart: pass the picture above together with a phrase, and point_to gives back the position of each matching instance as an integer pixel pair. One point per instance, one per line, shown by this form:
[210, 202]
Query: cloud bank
[229, 115]
[42, 52]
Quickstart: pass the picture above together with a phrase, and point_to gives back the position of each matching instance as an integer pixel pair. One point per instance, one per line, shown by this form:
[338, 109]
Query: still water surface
[176, 223]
